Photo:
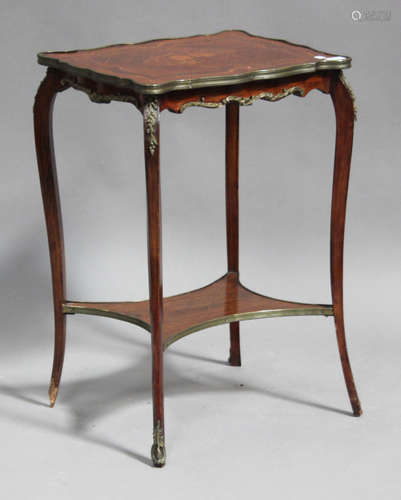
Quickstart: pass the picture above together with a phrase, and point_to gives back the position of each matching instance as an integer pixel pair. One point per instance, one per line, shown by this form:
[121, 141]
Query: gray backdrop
[280, 425]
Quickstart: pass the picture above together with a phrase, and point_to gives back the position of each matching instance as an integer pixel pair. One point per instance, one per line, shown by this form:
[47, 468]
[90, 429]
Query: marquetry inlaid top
[159, 66]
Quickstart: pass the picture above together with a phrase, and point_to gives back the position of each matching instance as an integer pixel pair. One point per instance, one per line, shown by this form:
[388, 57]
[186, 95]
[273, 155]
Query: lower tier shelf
[223, 301]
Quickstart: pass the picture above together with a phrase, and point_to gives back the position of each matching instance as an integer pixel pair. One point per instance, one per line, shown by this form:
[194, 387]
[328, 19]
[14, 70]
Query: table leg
[43, 112]
[232, 149]
[151, 139]
[344, 109]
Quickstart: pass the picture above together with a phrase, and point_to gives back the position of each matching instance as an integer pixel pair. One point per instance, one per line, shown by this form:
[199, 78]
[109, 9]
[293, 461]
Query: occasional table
[231, 69]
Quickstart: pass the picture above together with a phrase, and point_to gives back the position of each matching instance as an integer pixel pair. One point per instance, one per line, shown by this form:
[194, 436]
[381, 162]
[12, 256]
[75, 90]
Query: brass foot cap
[158, 455]
[53, 390]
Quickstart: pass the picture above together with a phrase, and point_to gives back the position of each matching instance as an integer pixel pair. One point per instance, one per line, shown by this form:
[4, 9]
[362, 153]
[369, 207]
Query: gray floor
[280, 424]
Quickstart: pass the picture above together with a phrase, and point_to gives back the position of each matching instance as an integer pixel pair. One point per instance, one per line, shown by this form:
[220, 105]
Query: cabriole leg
[344, 108]
[43, 112]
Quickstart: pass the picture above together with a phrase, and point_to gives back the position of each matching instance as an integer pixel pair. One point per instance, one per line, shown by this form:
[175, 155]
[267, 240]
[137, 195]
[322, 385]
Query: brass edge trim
[188, 37]
[323, 310]
[319, 310]
[351, 93]
[246, 101]
[100, 98]
[332, 62]
[151, 117]
[69, 309]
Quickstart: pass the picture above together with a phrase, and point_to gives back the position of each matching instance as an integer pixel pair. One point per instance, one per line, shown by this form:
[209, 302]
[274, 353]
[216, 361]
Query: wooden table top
[225, 58]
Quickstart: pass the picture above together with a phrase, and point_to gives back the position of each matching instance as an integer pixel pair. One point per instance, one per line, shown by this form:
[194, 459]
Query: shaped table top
[225, 58]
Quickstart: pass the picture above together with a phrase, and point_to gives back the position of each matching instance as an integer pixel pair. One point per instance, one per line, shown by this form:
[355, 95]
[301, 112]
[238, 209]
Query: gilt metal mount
[246, 101]
[351, 93]
[151, 117]
[158, 451]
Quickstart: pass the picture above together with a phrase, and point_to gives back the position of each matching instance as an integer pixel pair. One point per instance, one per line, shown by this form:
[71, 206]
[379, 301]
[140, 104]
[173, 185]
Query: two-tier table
[231, 69]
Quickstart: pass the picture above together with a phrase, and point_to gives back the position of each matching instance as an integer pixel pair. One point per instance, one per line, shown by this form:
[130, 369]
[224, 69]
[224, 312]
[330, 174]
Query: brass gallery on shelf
[112, 310]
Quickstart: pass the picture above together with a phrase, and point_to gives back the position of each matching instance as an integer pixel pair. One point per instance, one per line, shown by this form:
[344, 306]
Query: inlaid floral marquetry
[159, 66]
